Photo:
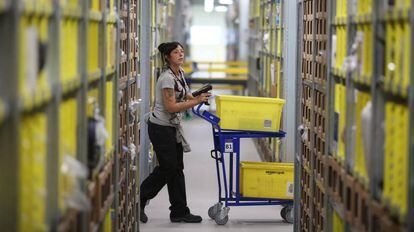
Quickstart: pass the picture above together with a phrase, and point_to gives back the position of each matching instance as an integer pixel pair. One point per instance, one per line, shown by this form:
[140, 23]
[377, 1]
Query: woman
[172, 96]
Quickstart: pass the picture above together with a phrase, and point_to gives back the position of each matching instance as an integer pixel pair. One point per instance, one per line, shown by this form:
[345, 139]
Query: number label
[228, 146]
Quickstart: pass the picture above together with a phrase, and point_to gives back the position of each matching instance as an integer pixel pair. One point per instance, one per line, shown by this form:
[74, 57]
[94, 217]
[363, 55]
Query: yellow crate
[249, 113]
[406, 44]
[341, 46]
[338, 223]
[340, 110]
[69, 49]
[109, 114]
[360, 166]
[399, 170]
[341, 7]
[388, 152]
[365, 54]
[95, 5]
[111, 46]
[93, 47]
[267, 180]
[67, 147]
[71, 4]
[108, 222]
[32, 173]
[397, 60]
[33, 32]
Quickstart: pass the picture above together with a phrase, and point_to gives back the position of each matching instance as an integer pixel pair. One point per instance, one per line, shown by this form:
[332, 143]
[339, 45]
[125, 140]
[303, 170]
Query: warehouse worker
[172, 97]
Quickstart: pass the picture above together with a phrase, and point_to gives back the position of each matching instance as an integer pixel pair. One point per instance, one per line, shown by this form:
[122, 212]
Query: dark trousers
[169, 154]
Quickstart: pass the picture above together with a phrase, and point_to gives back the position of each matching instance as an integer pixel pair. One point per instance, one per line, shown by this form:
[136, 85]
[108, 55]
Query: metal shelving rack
[267, 62]
[352, 201]
[49, 104]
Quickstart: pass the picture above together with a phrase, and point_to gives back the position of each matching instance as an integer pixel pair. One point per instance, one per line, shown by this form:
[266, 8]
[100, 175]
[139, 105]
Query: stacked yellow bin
[340, 110]
[340, 42]
[93, 47]
[360, 166]
[33, 35]
[341, 46]
[69, 50]
[396, 158]
[32, 173]
[397, 70]
[338, 224]
[109, 116]
[67, 147]
[111, 46]
[364, 7]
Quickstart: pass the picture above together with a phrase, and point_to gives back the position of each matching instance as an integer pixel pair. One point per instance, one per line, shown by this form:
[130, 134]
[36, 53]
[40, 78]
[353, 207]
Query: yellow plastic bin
[249, 113]
[266, 180]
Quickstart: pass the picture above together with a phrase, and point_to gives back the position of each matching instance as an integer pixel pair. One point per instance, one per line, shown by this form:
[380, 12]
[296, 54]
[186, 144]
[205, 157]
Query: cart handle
[211, 118]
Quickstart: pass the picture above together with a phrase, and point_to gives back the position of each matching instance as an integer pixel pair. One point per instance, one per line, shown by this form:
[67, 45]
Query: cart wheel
[221, 221]
[222, 216]
[213, 210]
[287, 214]
[283, 213]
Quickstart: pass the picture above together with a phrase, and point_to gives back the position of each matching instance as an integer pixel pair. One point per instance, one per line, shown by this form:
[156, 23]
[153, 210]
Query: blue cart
[228, 142]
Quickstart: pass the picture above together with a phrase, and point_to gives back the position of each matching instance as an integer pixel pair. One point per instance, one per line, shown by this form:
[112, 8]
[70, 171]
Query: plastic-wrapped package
[75, 171]
[366, 117]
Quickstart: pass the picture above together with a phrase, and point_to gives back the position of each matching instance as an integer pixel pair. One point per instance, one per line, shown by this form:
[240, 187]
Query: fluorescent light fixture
[226, 2]
[208, 5]
[221, 8]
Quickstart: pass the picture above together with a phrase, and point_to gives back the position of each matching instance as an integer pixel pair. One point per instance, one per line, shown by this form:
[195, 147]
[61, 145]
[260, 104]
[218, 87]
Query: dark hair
[168, 47]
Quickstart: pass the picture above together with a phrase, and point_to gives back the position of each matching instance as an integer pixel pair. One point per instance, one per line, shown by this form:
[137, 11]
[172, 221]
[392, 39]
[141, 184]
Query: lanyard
[178, 77]
[182, 82]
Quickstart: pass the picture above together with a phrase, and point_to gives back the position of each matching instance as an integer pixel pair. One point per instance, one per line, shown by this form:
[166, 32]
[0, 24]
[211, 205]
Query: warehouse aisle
[202, 190]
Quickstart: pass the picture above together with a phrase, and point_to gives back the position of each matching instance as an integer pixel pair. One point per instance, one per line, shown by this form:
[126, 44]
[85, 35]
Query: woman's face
[176, 56]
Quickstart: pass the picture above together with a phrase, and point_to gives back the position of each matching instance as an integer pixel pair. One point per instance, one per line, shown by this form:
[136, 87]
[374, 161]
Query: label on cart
[228, 146]
[289, 189]
[267, 123]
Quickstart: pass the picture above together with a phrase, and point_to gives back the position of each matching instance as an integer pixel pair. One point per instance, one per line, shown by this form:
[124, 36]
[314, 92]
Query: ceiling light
[226, 2]
[221, 8]
[208, 5]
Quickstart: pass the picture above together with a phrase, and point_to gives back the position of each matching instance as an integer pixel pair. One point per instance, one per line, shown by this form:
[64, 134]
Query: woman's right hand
[202, 97]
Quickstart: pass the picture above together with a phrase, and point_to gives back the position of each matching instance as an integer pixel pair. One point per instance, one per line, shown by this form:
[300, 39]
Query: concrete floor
[202, 190]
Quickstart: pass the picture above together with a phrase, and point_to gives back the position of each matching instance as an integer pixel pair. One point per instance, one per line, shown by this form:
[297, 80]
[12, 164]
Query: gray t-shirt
[168, 80]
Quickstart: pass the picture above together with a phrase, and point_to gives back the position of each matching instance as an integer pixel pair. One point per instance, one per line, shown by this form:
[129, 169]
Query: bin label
[267, 123]
[228, 146]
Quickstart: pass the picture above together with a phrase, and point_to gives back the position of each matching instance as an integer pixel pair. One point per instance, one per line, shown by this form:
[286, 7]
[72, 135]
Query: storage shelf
[95, 15]
[110, 71]
[72, 13]
[362, 19]
[338, 73]
[71, 85]
[94, 76]
[111, 19]
[33, 101]
[40, 10]
[396, 97]
[361, 86]
[340, 21]
[395, 15]
[337, 207]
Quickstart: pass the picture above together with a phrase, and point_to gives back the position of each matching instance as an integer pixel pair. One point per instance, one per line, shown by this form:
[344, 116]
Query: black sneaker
[142, 216]
[189, 218]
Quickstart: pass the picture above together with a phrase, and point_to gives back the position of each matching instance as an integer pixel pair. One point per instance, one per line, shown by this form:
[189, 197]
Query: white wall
[207, 35]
